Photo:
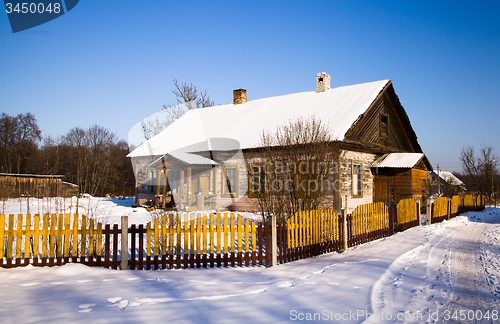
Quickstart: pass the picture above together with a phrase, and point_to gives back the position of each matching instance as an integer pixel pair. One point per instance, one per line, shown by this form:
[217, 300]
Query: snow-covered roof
[338, 108]
[449, 177]
[398, 160]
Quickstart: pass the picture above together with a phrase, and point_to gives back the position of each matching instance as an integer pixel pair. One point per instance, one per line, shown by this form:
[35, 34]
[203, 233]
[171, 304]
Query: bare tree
[479, 171]
[19, 137]
[187, 97]
[100, 141]
[294, 168]
[76, 144]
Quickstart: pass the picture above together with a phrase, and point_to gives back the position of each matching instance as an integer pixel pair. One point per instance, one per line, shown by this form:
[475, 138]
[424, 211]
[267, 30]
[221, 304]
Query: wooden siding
[368, 129]
[39, 186]
[396, 184]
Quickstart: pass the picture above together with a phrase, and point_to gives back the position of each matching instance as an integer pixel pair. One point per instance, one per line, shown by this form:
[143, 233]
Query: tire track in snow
[471, 289]
[419, 273]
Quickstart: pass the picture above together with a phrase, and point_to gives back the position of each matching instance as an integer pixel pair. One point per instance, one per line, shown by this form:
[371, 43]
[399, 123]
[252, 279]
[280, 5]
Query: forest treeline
[94, 158]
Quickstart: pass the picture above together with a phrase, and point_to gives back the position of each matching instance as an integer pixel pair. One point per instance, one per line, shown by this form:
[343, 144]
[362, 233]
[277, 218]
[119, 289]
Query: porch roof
[398, 160]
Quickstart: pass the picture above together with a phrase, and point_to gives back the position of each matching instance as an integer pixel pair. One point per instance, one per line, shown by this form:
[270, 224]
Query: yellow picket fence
[312, 227]
[407, 211]
[440, 209]
[368, 222]
[456, 206]
[198, 239]
[49, 239]
[468, 203]
[370, 218]
[311, 233]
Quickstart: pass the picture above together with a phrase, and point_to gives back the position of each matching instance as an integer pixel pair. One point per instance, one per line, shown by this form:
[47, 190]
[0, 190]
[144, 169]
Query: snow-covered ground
[100, 209]
[438, 273]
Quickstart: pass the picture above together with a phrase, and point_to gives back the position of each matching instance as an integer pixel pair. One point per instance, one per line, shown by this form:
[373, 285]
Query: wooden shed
[35, 185]
[399, 176]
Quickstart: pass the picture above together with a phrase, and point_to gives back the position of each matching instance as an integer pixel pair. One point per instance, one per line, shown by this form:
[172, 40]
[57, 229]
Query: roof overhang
[398, 160]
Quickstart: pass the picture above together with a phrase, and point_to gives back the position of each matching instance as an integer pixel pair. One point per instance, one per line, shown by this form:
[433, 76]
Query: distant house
[445, 183]
[380, 158]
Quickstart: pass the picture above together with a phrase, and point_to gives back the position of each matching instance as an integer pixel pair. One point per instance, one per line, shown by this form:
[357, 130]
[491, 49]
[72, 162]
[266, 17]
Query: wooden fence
[367, 223]
[455, 205]
[166, 243]
[308, 234]
[439, 210]
[468, 203]
[444, 208]
[198, 240]
[207, 240]
[55, 240]
[406, 214]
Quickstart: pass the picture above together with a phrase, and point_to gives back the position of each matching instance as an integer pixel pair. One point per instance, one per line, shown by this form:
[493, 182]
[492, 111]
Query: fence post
[449, 208]
[274, 242]
[124, 252]
[428, 212]
[419, 214]
[344, 230]
[391, 217]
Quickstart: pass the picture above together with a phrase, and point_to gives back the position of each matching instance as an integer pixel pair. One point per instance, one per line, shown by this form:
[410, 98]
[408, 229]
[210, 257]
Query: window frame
[259, 173]
[224, 192]
[384, 129]
[359, 178]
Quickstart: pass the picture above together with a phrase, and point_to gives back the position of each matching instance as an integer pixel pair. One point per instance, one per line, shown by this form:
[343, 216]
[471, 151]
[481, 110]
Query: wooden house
[198, 162]
[444, 183]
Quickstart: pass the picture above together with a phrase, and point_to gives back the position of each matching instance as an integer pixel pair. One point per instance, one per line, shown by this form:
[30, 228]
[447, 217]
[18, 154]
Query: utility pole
[439, 183]
[492, 190]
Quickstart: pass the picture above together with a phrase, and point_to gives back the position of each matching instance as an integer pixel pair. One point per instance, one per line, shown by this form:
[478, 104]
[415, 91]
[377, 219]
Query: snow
[399, 160]
[416, 275]
[338, 108]
[106, 211]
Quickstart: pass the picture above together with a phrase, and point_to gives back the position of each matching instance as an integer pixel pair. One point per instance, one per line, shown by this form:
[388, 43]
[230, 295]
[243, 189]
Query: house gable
[385, 125]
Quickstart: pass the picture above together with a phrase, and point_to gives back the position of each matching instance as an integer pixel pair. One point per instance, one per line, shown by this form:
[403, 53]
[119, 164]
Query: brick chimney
[239, 96]
[322, 82]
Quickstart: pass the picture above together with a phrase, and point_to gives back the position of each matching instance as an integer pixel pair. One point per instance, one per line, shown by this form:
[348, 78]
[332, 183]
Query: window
[257, 181]
[357, 180]
[152, 182]
[173, 180]
[230, 183]
[384, 125]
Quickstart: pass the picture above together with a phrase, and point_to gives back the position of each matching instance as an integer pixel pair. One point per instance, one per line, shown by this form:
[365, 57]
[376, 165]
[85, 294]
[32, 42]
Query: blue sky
[112, 62]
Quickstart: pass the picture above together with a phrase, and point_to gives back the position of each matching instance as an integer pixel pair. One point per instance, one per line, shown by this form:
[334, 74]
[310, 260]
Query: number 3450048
[33, 8]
